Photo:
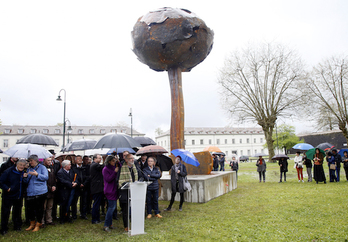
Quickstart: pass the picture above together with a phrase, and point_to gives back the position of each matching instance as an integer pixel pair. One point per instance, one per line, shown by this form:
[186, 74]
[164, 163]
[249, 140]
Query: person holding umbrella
[261, 168]
[338, 161]
[319, 175]
[283, 164]
[178, 173]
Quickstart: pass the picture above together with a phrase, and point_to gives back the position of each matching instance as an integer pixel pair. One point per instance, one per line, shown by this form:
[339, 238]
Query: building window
[4, 159]
[20, 131]
[57, 131]
[254, 140]
[91, 131]
[241, 152]
[240, 141]
[102, 131]
[261, 140]
[248, 152]
[57, 141]
[210, 141]
[233, 141]
[261, 150]
[226, 153]
[201, 142]
[80, 131]
[234, 152]
[7, 131]
[255, 151]
[33, 131]
[248, 140]
[193, 142]
[217, 141]
[45, 131]
[5, 143]
[185, 142]
[225, 141]
[113, 130]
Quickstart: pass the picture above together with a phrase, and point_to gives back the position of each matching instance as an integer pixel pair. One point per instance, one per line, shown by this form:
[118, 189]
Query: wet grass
[255, 211]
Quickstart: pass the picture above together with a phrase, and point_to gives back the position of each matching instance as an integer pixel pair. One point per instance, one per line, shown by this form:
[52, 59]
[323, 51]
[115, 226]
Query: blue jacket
[154, 175]
[11, 178]
[37, 185]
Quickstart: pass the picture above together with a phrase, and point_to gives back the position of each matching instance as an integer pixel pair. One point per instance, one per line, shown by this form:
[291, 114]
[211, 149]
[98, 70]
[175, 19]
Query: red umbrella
[153, 149]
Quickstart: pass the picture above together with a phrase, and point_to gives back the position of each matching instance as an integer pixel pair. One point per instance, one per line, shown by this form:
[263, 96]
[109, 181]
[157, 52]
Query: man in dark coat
[80, 192]
[56, 167]
[215, 162]
[283, 165]
[338, 161]
[67, 181]
[51, 187]
[9, 163]
[222, 162]
[11, 182]
[97, 187]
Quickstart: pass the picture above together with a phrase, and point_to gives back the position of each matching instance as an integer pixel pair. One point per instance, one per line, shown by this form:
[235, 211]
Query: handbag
[332, 167]
[186, 184]
[299, 165]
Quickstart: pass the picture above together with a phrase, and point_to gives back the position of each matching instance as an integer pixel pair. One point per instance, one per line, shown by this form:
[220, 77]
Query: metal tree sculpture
[173, 40]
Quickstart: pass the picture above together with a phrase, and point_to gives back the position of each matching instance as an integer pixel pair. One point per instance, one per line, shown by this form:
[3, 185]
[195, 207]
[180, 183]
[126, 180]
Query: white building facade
[238, 141]
[10, 134]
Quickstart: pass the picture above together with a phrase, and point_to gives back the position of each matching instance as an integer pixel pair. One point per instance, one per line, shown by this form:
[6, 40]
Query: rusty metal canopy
[171, 38]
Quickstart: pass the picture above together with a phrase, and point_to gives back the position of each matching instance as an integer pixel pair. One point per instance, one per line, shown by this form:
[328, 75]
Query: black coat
[181, 176]
[284, 163]
[11, 178]
[216, 163]
[83, 174]
[97, 180]
[64, 183]
[154, 175]
[6, 165]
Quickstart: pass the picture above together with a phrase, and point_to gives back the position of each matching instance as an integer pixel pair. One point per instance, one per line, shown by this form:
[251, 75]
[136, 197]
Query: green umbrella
[310, 153]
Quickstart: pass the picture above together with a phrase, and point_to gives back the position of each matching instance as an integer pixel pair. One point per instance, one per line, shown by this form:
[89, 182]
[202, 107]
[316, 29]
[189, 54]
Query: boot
[32, 225]
[37, 227]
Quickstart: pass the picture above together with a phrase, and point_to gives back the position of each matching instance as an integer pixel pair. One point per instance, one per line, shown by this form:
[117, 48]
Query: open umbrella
[82, 144]
[152, 149]
[145, 141]
[120, 150]
[116, 141]
[186, 156]
[212, 149]
[244, 158]
[259, 154]
[164, 162]
[310, 153]
[277, 157]
[303, 146]
[325, 146]
[342, 151]
[97, 151]
[1, 151]
[39, 139]
[26, 150]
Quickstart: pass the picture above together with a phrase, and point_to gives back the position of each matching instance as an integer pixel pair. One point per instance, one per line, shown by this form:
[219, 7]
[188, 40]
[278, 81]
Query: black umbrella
[145, 141]
[164, 162]
[116, 141]
[325, 146]
[39, 139]
[82, 144]
[0, 150]
[277, 157]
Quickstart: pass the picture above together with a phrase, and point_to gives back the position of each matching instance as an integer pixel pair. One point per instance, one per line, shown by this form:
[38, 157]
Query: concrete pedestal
[204, 187]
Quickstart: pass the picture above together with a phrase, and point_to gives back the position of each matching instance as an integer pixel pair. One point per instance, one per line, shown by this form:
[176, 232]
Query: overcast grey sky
[85, 48]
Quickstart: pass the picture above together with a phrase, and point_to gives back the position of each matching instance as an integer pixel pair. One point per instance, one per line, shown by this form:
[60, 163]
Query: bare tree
[260, 84]
[328, 83]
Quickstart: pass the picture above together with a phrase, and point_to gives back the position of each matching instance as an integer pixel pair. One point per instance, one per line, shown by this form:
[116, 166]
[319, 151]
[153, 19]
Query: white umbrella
[26, 150]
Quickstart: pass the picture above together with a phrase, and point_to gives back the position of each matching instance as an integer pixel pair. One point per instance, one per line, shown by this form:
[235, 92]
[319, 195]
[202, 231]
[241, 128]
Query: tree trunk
[342, 126]
[268, 131]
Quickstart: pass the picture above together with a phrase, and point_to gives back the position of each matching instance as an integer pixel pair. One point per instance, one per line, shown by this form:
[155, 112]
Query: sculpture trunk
[177, 119]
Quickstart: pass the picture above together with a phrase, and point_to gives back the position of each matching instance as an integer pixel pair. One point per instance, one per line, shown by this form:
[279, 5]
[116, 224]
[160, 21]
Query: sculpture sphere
[171, 38]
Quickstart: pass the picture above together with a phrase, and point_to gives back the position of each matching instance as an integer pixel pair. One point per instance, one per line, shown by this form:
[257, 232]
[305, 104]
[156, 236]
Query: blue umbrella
[120, 150]
[342, 151]
[303, 146]
[186, 156]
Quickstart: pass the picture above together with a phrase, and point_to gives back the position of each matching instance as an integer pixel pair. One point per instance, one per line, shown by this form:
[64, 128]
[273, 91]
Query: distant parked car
[244, 158]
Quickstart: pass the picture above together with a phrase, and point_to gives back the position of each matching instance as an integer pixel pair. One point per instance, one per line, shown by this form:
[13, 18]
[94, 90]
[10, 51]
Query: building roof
[58, 130]
[217, 130]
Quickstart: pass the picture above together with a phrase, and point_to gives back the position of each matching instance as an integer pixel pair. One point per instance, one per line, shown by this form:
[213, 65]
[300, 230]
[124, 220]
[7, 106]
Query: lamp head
[59, 99]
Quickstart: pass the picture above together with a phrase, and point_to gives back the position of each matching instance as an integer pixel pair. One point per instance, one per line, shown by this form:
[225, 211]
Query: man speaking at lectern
[128, 173]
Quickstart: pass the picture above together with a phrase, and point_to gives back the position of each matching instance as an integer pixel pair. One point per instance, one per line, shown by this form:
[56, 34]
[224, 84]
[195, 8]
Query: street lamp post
[69, 129]
[131, 115]
[59, 99]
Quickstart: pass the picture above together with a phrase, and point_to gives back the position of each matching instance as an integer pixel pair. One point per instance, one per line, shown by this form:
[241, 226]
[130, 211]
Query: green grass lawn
[255, 211]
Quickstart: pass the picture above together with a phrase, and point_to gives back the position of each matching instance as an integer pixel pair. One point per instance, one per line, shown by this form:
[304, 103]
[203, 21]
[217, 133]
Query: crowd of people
[51, 185]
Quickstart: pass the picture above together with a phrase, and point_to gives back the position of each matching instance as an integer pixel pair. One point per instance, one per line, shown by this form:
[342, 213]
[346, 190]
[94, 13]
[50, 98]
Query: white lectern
[137, 196]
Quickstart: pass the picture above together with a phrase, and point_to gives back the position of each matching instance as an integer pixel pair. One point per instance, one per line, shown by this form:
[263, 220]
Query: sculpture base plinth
[204, 187]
